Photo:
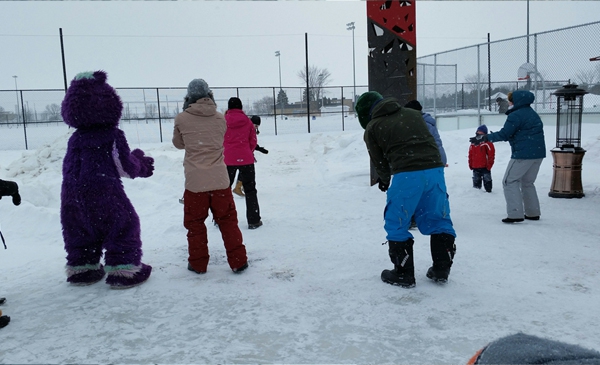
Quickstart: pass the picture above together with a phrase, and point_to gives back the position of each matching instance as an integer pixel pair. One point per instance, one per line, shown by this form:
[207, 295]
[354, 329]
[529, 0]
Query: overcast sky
[233, 43]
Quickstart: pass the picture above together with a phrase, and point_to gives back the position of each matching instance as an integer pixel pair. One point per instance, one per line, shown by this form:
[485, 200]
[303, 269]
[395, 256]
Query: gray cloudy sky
[233, 43]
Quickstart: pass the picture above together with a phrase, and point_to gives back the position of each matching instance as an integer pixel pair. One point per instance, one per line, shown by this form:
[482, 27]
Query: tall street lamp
[351, 27]
[17, 94]
[278, 55]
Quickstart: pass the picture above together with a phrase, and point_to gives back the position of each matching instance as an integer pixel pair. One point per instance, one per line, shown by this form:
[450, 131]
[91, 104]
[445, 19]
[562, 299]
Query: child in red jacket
[481, 160]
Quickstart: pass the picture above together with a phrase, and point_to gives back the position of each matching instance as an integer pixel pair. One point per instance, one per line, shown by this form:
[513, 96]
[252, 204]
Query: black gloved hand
[479, 138]
[10, 188]
[261, 149]
[382, 186]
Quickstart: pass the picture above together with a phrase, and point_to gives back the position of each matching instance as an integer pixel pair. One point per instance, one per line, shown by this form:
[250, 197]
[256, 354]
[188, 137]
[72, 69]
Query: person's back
[240, 139]
[408, 146]
[201, 129]
[411, 172]
[431, 126]
[240, 142]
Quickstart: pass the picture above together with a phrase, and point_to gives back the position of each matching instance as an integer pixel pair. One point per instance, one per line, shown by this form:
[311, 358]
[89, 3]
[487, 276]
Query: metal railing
[28, 110]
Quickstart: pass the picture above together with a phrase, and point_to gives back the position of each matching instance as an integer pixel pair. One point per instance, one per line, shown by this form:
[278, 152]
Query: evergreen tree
[282, 99]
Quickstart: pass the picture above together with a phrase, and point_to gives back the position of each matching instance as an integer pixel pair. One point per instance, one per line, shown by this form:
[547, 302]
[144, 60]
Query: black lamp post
[568, 154]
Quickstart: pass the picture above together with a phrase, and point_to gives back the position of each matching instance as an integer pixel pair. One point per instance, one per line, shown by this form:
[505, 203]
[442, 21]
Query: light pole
[278, 55]
[17, 94]
[351, 27]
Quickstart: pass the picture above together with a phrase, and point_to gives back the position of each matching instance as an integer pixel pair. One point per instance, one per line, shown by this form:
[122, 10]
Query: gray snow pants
[519, 191]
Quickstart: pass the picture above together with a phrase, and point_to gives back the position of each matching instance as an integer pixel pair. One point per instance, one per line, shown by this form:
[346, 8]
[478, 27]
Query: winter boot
[85, 274]
[4, 320]
[255, 225]
[442, 253]
[127, 276]
[403, 274]
[240, 269]
[488, 186]
[238, 188]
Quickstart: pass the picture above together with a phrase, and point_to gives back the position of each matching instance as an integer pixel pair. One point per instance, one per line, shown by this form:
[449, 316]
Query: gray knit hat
[197, 89]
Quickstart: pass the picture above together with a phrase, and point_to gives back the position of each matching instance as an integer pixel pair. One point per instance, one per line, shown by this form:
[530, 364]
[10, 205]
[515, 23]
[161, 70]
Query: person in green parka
[410, 169]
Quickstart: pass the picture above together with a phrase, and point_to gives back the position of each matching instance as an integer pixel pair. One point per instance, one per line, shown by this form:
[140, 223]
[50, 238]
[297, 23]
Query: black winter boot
[4, 320]
[488, 186]
[442, 253]
[403, 274]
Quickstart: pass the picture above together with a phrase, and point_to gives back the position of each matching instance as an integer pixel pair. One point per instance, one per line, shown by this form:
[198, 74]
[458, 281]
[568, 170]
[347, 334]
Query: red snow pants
[222, 206]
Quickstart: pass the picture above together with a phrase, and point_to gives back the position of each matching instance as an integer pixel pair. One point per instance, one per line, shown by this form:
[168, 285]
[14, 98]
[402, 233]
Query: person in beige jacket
[200, 130]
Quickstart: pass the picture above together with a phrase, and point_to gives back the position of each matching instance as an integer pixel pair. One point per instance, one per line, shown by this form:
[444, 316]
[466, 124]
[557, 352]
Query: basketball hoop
[525, 70]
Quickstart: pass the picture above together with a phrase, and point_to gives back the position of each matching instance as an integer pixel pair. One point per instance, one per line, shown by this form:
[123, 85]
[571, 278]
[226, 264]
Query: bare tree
[52, 112]
[588, 77]
[473, 81]
[264, 105]
[151, 110]
[317, 79]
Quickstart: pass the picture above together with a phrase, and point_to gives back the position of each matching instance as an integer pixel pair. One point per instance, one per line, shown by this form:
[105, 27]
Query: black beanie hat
[255, 120]
[414, 104]
[234, 103]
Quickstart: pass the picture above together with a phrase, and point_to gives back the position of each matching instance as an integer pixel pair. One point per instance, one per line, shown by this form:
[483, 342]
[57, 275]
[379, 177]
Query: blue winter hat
[482, 128]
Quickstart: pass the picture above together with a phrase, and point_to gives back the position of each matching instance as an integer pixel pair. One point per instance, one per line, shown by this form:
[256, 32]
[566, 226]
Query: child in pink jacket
[240, 142]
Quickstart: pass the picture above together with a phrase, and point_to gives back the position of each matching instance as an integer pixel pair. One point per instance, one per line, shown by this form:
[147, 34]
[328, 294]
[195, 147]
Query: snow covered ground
[312, 293]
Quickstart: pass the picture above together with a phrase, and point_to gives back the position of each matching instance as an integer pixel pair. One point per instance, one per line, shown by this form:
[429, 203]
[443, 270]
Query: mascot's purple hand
[146, 167]
[146, 163]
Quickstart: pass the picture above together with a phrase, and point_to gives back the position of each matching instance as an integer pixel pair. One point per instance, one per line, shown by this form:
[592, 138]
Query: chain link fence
[457, 82]
[148, 113]
[473, 77]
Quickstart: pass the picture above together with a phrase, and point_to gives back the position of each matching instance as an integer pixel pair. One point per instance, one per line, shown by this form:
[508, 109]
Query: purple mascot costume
[95, 212]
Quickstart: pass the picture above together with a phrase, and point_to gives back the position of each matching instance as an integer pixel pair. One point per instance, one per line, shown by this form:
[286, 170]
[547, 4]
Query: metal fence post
[24, 118]
[275, 110]
[343, 112]
[435, 84]
[159, 116]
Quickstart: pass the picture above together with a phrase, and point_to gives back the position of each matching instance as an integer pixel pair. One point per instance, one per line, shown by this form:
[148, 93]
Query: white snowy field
[312, 293]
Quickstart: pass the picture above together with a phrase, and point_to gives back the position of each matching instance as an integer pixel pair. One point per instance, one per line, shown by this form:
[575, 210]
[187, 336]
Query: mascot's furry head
[91, 103]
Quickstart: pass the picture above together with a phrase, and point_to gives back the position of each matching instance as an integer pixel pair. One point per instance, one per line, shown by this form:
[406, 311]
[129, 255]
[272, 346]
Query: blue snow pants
[422, 193]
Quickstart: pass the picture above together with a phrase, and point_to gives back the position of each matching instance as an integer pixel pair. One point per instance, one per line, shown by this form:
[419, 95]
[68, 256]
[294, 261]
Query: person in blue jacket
[524, 131]
[431, 126]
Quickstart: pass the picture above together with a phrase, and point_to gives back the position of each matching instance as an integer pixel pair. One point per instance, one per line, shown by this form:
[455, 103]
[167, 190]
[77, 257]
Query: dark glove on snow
[10, 188]
[382, 186]
[478, 139]
[261, 149]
